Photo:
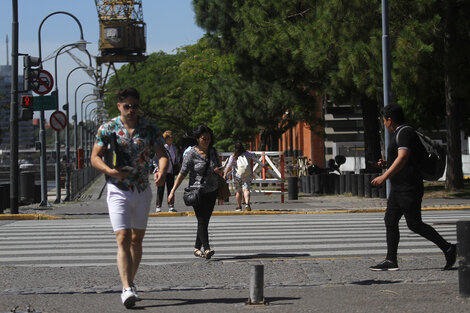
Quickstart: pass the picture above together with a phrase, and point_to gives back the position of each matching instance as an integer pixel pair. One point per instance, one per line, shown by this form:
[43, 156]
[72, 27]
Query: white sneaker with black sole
[158, 210]
[172, 209]
[128, 298]
[134, 290]
[385, 265]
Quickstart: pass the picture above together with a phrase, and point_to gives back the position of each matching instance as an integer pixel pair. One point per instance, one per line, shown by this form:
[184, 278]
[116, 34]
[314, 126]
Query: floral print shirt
[134, 151]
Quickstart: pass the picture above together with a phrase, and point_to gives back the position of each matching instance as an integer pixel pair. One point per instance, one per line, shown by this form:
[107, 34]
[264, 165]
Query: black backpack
[433, 161]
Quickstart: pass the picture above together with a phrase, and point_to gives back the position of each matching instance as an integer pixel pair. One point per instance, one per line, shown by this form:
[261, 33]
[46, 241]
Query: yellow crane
[122, 33]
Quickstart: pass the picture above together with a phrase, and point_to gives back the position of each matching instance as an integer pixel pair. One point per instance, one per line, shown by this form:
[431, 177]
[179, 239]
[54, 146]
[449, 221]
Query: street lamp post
[42, 132]
[75, 119]
[82, 124]
[67, 134]
[57, 136]
[386, 64]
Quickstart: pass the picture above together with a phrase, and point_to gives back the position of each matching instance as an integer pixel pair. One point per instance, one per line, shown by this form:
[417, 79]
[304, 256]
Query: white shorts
[128, 209]
[242, 184]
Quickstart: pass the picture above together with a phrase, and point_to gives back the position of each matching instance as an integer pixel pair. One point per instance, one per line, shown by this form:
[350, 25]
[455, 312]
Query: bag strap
[206, 167]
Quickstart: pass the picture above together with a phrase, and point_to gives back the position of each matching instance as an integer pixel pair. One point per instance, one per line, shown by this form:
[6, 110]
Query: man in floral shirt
[129, 195]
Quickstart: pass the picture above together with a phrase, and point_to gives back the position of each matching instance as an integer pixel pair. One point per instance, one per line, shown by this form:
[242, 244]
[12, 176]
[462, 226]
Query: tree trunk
[370, 114]
[454, 173]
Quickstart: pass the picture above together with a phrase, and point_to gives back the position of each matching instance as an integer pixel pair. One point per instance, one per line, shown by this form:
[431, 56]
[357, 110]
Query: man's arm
[397, 165]
[160, 175]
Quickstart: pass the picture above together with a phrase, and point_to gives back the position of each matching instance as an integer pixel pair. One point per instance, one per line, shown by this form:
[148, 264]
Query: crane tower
[122, 32]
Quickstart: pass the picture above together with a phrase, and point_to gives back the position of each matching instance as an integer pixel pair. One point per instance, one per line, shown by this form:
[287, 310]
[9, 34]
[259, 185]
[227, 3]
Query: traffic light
[32, 66]
[27, 109]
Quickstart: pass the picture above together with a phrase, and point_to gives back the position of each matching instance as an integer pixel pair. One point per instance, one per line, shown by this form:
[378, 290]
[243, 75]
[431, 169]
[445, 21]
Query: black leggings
[169, 181]
[408, 204]
[203, 214]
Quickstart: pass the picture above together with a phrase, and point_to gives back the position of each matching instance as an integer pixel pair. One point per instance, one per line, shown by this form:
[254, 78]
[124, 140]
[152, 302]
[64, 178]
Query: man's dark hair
[128, 92]
[395, 112]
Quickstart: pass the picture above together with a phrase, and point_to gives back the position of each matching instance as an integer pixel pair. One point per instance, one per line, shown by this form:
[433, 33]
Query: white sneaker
[158, 210]
[172, 209]
[134, 290]
[128, 298]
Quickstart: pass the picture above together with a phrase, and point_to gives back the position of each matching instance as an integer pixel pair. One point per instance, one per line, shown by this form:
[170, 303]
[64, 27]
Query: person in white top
[239, 166]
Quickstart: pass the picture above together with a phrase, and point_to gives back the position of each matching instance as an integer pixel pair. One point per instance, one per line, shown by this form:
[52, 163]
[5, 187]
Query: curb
[29, 217]
[230, 213]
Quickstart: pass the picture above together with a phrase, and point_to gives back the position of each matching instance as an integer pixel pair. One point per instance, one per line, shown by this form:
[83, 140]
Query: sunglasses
[128, 106]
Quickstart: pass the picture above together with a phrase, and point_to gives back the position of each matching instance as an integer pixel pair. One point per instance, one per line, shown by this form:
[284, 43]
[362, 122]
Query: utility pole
[14, 111]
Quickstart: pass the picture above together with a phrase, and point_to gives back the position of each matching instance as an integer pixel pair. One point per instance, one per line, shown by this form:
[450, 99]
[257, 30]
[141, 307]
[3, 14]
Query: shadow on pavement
[265, 256]
[179, 302]
[369, 282]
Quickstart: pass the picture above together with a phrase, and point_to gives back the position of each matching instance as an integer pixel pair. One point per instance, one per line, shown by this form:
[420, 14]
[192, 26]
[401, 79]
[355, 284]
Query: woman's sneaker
[247, 207]
[238, 209]
[385, 265]
[158, 210]
[128, 298]
[171, 209]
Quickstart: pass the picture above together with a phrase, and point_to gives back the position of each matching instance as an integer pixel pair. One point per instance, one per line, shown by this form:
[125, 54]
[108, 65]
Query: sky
[169, 24]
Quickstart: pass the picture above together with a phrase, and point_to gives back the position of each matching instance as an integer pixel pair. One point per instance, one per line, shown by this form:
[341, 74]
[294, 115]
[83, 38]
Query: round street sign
[58, 121]
[46, 82]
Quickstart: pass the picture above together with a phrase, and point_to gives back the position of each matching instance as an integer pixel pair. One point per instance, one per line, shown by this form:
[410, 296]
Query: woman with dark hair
[241, 159]
[203, 165]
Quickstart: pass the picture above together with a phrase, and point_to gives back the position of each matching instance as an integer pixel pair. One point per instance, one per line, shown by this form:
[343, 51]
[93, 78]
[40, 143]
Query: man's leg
[136, 250]
[392, 218]
[124, 256]
[414, 221]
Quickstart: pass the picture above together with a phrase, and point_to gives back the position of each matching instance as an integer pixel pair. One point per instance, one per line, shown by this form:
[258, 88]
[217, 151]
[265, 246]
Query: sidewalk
[314, 285]
[92, 203]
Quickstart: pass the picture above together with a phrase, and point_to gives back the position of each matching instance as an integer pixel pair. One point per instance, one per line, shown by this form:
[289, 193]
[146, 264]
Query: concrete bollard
[463, 257]
[257, 285]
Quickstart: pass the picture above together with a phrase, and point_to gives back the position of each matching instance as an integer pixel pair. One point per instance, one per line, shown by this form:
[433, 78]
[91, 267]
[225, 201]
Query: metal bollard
[293, 188]
[463, 257]
[256, 285]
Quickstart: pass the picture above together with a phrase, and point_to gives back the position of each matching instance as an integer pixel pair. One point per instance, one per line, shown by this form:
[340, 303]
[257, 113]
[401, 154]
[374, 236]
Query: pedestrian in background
[129, 195]
[407, 189]
[241, 177]
[202, 163]
[172, 171]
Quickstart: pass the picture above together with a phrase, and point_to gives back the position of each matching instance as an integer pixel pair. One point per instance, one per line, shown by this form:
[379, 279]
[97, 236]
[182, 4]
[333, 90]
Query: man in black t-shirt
[406, 192]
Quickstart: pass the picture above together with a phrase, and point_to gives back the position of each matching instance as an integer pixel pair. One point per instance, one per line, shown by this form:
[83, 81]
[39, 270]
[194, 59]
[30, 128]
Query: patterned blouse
[134, 151]
[195, 165]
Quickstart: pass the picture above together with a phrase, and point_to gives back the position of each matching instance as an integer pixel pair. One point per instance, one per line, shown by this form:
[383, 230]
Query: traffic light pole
[14, 112]
[43, 164]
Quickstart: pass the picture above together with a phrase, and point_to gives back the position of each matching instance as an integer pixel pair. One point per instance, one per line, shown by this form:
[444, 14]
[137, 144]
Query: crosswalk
[91, 242]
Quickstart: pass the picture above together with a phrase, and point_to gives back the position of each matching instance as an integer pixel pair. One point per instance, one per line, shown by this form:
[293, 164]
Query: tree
[334, 46]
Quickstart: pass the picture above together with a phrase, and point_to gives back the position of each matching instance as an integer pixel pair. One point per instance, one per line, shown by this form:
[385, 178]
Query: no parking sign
[58, 121]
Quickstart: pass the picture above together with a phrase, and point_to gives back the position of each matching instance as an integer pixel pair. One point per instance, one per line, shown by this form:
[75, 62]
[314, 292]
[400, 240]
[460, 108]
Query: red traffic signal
[27, 102]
